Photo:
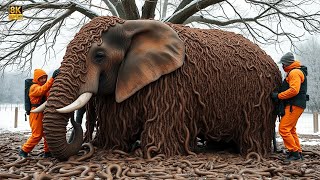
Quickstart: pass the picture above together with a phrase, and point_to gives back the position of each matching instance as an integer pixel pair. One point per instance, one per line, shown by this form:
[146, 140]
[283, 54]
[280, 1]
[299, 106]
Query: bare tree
[309, 53]
[263, 21]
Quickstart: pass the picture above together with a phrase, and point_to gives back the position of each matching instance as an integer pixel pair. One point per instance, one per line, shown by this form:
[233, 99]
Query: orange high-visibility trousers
[35, 120]
[287, 128]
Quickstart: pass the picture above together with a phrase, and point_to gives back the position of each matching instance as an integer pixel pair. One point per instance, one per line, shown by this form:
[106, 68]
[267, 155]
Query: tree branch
[216, 22]
[85, 11]
[180, 16]
[76, 6]
[34, 39]
[164, 9]
[112, 8]
[182, 5]
[118, 5]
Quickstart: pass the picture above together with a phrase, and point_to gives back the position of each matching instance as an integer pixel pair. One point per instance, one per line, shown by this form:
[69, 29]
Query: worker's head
[286, 60]
[40, 77]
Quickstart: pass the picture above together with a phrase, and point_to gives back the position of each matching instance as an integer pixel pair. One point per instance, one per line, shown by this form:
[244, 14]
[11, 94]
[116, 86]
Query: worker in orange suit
[294, 95]
[39, 89]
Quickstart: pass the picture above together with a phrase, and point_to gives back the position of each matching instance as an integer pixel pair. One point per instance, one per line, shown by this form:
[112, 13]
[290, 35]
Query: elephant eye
[99, 57]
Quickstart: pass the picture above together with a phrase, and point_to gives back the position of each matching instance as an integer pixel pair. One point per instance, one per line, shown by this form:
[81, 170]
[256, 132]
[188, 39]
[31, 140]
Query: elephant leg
[91, 120]
[80, 113]
[274, 142]
[72, 132]
[79, 116]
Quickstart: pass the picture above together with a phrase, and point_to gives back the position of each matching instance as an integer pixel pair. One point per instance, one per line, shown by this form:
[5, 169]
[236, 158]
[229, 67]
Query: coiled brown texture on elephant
[222, 92]
[72, 74]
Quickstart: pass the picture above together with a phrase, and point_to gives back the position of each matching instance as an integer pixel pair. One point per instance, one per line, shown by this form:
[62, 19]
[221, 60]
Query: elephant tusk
[77, 104]
[40, 108]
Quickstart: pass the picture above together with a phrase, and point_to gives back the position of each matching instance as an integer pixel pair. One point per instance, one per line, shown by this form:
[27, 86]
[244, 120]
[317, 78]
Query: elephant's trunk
[55, 123]
[55, 132]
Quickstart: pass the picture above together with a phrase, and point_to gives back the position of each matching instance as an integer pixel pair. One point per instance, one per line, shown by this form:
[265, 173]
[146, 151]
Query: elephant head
[108, 56]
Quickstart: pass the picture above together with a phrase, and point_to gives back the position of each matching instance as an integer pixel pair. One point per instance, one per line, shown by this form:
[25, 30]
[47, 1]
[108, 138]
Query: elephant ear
[155, 50]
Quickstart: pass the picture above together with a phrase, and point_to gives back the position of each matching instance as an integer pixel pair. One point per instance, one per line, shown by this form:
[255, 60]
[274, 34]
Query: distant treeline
[12, 87]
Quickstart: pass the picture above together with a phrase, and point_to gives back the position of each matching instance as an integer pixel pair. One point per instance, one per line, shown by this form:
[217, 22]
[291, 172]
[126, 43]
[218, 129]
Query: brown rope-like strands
[72, 75]
[221, 92]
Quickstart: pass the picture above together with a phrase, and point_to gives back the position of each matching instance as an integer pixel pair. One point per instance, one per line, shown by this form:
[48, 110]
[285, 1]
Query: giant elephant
[163, 84]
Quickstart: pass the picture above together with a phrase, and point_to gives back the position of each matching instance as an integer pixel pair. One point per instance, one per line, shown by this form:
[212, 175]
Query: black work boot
[293, 156]
[23, 154]
[47, 155]
[301, 156]
[288, 154]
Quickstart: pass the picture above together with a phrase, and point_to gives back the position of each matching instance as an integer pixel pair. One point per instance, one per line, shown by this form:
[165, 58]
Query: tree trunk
[148, 9]
[130, 9]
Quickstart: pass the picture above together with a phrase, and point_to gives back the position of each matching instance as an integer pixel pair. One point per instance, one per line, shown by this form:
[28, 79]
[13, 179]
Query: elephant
[163, 84]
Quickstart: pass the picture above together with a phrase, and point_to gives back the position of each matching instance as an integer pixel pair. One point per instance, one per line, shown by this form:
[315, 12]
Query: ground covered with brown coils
[92, 163]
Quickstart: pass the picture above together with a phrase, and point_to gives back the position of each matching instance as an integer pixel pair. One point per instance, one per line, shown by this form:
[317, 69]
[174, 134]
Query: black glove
[274, 96]
[55, 73]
